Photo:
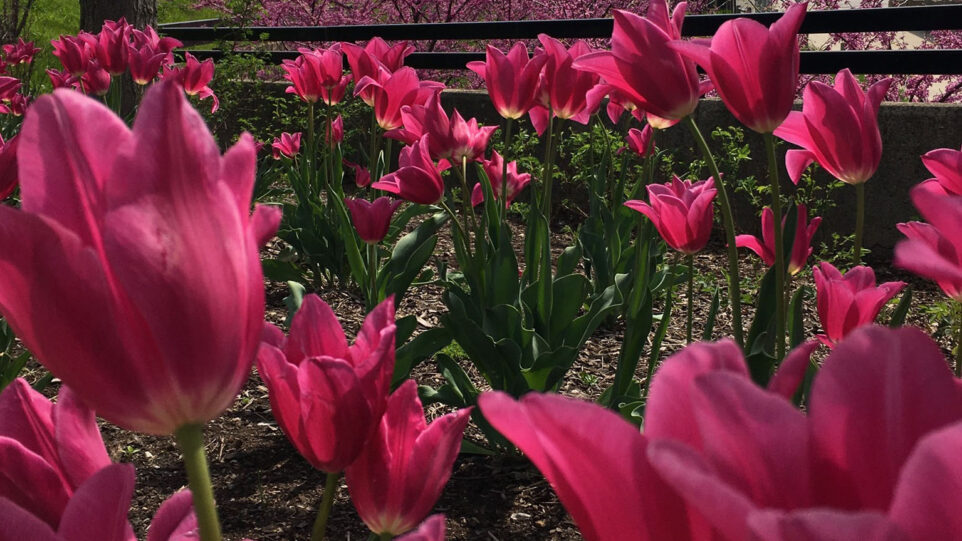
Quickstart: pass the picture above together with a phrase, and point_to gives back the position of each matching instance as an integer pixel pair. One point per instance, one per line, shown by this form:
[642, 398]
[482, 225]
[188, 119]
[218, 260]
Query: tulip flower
[946, 166]
[643, 66]
[21, 52]
[337, 126]
[681, 211]
[801, 244]
[401, 471]
[362, 176]
[8, 167]
[144, 63]
[195, 76]
[74, 53]
[327, 397]
[49, 450]
[566, 88]
[149, 38]
[391, 91]
[451, 138]
[493, 169]
[417, 179]
[144, 332]
[372, 219]
[315, 71]
[934, 250]
[95, 81]
[753, 68]
[287, 145]
[9, 86]
[112, 43]
[511, 80]
[16, 105]
[846, 303]
[61, 79]
[640, 142]
[873, 459]
[367, 61]
[432, 529]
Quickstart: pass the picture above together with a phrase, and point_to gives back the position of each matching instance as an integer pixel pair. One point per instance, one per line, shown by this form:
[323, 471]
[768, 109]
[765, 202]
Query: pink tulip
[681, 211]
[9, 86]
[643, 65]
[287, 145]
[48, 450]
[337, 126]
[511, 80]
[328, 397]
[16, 105]
[362, 177]
[451, 138]
[8, 167]
[61, 79]
[946, 165]
[567, 89]
[372, 219]
[95, 81]
[146, 332]
[846, 303]
[753, 68]
[366, 61]
[195, 76]
[493, 168]
[640, 142]
[149, 38]
[391, 91]
[838, 128]
[765, 246]
[21, 52]
[112, 43]
[432, 529]
[934, 250]
[144, 63]
[75, 53]
[417, 179]
[316, 72]
[401, 471]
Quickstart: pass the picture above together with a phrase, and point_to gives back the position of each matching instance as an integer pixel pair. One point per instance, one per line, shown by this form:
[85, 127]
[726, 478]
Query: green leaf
[409, 256]
[902, 309]
[422, 346]
[282, 271]
[294, 300]
[796, 322]
[706, 334]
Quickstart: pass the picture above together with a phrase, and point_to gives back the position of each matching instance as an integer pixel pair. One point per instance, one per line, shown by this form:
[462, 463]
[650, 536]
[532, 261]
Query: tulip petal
[281, 379]
[174, 520]
[30, 482]
[315, 331]
[80, 446]
[796, 162]
[98, 510]
[27, 417]
[20, 525]
[823, 525]
[432, 529]
[791, 372]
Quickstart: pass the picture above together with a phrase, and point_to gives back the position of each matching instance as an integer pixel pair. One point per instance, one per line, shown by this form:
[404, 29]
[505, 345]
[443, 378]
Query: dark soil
[266, 491]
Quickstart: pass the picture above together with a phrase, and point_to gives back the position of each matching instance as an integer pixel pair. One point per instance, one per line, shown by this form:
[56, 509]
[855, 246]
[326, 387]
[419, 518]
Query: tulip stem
[779, 248]
[372, 265]
[309, 154]
[859, 222]
[385, 537]
[502, 207]
[461, 230]
[372, 152]
[691, 288]
[734, 285]
[190, 439]
[324, 511]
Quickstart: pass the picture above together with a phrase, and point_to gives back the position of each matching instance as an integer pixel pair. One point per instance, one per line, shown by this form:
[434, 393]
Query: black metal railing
[909, 19]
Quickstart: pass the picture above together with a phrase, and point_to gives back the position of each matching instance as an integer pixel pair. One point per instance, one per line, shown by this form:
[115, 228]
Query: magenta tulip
[144, 63]
[75, 52]
[334, 134]
[946, 166]
[511, 79]
[195, 76]
[753, 68]
[366, 61]
[9, 86]
[362, 176]
[400, 473]
[846, 303]
[643, 66]
[287, 145]
[640, 141]
[372, 218]
[95, 81]
[934, 250]
[838, 128]
[389, 92]
[8, 167]
[567, 89]
[327, 397]
[432, 529]
[451, 138]
[316, 73]
[681, 211]
[146, 331]
[493, 169]
[111, 49]
[149, 38]
[417, 179]
[21, 52]
[801, 244]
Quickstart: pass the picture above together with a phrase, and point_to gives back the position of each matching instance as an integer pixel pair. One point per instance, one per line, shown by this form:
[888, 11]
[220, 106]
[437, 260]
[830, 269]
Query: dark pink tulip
[95, 81]
[48, 450]
[9, 86]
[946, 166]
[564, 91]
[16, 105]
[643, 66]
[8, 167]
[404, 466]
[451, 138]
[390, 92]
[838, 128]
[112, 43]
[640, 142]
[328, 397]
[417, 179]
[74, 53]
[337, 126]
[432, 529]
[372, 219]
[511, 79]
[368, 60]
[362, 177]
[595, 462]
[144, 63]
[149, 38]
[934, 250]
[21, 52]
[846, 303]
[287, 145]
[493, 169]
[317, 74]
[194, 76]
[61, 79]
[753, 68]
[170, 341]
[765, 246]
[681, 212]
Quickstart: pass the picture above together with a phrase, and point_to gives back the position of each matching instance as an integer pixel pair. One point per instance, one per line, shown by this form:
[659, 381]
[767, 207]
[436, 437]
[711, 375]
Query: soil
[266, 491]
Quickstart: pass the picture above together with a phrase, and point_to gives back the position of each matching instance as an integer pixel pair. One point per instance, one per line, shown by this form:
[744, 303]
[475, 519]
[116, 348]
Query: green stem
[324, 511]
[461, 230]
[859, 222]
[502, 208]
[734, 285]
[779, 248]
[385, 537]
[548, 175]
[691, 288]
[372, 263]
[309, 151]
[466, 197]
[190, 439]
[372, 145]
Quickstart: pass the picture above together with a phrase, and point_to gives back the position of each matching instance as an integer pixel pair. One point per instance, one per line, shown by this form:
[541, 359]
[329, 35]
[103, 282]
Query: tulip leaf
[796, 321]
[706, 334]
[760, 339]
[409, 256]
[901, 309]
[415, 351]
[281, 271]
[294, 300]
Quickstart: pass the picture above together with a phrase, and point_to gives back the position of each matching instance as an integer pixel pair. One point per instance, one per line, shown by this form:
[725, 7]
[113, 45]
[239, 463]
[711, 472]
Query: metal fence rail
[912, 19]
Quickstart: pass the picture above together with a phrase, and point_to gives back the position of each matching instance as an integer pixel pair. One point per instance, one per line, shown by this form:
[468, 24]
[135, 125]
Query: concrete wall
[908, 131]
